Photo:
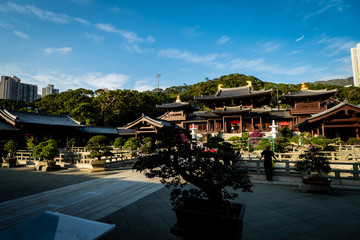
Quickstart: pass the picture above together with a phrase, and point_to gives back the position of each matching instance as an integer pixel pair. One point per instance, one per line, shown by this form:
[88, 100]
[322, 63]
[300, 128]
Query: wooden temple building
[242, 109]
[233, 111]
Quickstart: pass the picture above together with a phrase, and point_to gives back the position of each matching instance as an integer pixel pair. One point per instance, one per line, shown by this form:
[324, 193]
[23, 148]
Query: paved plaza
[141, 209]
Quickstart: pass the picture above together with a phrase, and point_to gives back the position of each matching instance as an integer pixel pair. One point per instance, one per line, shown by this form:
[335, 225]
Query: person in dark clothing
[268, 155]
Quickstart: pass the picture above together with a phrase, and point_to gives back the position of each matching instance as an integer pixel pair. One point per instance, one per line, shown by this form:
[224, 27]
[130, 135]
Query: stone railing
[345, 172]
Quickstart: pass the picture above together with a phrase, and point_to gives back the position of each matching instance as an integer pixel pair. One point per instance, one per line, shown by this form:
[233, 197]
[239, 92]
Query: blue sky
[124, 44]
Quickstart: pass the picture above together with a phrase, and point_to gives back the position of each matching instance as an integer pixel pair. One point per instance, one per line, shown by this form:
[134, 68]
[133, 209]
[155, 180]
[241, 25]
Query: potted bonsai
[98, 147]
[204, 210]
[46, 151]
[10, 147]
[314, 166]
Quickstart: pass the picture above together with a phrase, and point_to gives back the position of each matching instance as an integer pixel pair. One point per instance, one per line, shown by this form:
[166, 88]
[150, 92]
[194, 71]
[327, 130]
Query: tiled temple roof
[237, 92]
[310, 93]
[14, 117]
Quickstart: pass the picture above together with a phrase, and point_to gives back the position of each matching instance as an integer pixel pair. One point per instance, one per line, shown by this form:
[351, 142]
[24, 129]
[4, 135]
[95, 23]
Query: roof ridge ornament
[303, 86]
[178, 99]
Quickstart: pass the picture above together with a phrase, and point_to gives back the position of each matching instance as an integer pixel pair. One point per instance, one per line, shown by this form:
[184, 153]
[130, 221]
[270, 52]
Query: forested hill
[338, 82]
[119, 107]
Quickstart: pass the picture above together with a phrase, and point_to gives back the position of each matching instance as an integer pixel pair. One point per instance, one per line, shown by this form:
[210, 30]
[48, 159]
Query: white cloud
[323, 6]
[146, 84]
[109, 81]
[295, 52]
[82, 21]
[95, 37]
[345, 60]
[21, 35]
[4, 25]
[223, 40]
[188, 56]
[128, 35]
[260, 65]
[192, 31]
[266, 47]
[64, 50]
[35, 11]
[300, 38]
[336, 45]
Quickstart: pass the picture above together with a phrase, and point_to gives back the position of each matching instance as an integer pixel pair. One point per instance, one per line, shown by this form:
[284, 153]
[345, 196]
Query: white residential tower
[355, 59]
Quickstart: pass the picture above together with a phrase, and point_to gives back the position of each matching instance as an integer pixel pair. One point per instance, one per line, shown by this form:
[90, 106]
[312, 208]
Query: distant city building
[49, 90]
[355, 59]
[11, 88]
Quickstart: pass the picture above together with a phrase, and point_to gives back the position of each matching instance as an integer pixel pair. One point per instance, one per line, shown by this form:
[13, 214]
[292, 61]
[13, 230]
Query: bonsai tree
[178, 164]
[119, 142]
[98, 147]
[313, 161]
[73, 142]
[29, 143]
[131, 144]
[46, 150]
[10, 147]
[146, 145]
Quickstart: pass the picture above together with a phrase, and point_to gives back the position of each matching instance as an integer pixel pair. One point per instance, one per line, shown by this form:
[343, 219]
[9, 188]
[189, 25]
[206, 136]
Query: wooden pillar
[215, 126]
[318, 131]
[207, 125]
[252, 124]
[261, 127]
[240, 124]
[312, 132]
[357, 133]
[323, 129]
[224, 125]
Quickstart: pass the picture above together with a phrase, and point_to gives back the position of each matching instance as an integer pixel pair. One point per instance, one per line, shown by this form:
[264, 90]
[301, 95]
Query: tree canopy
[118, 107]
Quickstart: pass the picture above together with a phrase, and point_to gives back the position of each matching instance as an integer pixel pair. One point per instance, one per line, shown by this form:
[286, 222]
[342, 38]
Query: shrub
[119, 142]
[98, 147]
[146, 145]
[131, 144]
[353, 141]
[10, 147]
[46, 150]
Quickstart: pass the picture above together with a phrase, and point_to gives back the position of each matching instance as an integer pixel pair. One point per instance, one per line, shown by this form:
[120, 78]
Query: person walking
[268, 155]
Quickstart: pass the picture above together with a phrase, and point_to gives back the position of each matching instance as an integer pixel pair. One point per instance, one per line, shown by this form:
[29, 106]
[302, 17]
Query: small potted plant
[98, 147]
[314, 166]
[10, 160]
[46, 152]
[204, 210]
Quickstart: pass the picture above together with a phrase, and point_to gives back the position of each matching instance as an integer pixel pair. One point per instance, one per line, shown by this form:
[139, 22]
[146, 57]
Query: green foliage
[73, 142]
[98, 147]
[10, 147]
[282, 144]
[323, 142]
[353, 141]
[29, 143]
[285, 132]
[313, 161]
[263, 144]
[119, 142]
[46, 150]
[234, 139]
[179, 164]
[244, 141]
[131, 144]
[146, 145]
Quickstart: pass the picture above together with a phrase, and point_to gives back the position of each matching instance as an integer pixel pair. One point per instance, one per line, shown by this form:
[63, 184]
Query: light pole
[158, 76]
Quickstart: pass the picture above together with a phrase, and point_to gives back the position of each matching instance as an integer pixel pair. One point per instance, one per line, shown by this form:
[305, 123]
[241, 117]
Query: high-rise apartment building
[49, 90]
[11, 88]
[355, 59]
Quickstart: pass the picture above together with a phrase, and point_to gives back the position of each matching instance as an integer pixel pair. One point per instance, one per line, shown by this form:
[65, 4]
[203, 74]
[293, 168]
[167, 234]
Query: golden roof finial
[303, 86]
[178, 98]
[249, 83]
[220, 87]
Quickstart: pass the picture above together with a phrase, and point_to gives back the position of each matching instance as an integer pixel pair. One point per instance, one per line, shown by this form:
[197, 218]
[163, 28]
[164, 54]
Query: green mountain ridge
[338, 82]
